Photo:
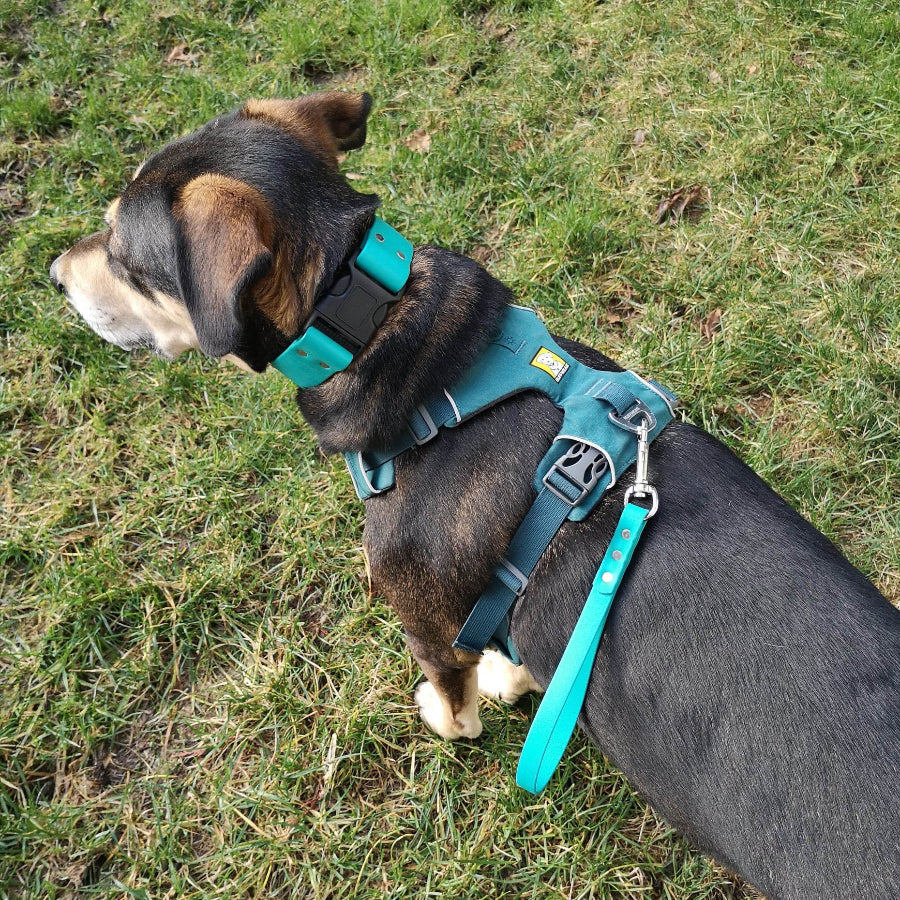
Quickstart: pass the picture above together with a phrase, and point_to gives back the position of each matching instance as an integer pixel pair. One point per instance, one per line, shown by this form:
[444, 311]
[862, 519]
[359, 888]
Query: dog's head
[223, 238]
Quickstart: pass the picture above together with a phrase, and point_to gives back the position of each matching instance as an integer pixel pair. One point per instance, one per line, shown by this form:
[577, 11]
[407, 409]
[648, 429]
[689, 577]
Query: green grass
[198, 698]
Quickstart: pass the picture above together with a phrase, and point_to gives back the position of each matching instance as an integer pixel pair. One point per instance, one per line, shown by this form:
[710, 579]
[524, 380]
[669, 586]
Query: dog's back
[748, 681]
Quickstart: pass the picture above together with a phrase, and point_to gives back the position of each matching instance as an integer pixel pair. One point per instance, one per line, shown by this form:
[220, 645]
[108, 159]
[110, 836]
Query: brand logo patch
[549, 362]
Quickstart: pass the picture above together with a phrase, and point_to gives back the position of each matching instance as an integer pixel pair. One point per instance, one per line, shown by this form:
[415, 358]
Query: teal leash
[557, 715]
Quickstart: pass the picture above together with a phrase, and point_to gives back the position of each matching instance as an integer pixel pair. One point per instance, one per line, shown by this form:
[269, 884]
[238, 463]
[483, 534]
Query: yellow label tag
[549, 362]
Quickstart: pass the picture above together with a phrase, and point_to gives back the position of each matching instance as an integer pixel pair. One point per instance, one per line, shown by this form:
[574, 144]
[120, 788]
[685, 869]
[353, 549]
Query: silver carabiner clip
[641, 487]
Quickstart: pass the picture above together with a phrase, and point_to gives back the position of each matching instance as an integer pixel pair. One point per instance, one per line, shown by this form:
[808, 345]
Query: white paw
[438, 716]
[500, 679]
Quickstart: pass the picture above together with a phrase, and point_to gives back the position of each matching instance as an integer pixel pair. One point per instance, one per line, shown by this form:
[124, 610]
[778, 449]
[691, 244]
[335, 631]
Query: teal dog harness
[609, 420]
[602, 412]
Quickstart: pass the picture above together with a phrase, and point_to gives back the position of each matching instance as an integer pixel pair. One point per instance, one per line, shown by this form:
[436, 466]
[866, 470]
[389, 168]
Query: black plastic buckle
[353, 308]
[632, 419]
[582, 466]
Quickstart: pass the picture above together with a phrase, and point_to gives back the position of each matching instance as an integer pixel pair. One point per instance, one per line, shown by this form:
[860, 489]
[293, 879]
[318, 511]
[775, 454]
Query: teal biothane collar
[345, 319]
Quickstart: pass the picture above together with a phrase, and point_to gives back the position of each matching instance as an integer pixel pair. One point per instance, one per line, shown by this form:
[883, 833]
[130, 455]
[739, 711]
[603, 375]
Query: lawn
[197, 697]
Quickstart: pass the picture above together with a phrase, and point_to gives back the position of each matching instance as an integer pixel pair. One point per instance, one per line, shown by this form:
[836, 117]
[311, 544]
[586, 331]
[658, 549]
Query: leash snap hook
[641, 487]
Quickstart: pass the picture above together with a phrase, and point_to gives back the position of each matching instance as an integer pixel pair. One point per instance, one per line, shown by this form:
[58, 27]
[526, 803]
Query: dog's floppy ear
[332, 121]
[224, 245]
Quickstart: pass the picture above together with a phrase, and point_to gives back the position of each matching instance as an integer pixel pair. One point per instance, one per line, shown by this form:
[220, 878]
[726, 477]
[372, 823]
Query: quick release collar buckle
[346, 318]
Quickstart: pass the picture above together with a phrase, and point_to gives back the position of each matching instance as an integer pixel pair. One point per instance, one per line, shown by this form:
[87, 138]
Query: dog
[748, 682]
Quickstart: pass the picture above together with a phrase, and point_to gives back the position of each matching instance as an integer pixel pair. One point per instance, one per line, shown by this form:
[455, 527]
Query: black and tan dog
[749, 679]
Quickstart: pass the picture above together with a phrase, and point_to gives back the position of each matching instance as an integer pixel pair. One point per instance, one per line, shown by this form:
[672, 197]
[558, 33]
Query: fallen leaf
[354, 176]
[419, 141]
[639, 137]
[178, 56]
[752, 69]
[711, 324]
[686, 202]
[714, 76]
[516, 146]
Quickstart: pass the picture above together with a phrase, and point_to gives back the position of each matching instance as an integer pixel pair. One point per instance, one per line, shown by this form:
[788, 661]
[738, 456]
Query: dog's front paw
[500, 679]
[438, 715]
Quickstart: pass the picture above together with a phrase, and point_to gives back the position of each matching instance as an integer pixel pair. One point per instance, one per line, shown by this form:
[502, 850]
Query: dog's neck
[450, 310]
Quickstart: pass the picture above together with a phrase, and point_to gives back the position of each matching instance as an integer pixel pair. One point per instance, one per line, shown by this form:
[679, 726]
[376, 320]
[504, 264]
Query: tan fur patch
[114, 309]
[112, 211]
[320, 120]
[290, 115]
[220, 202]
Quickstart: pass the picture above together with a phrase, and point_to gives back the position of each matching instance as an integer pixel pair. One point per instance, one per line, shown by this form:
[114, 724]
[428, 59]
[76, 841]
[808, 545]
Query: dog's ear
[331, 121]
[224, 246]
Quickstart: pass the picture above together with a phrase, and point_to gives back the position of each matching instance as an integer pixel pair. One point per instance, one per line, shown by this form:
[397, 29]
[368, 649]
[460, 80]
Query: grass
[198, 698]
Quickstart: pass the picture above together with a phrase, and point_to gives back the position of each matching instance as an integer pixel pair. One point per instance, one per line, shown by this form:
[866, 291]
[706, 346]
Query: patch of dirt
[502, 33]
[620, 308]
[688, 203]
[488, 248]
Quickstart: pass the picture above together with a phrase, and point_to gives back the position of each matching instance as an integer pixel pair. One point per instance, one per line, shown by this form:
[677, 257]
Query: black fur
[748, 681]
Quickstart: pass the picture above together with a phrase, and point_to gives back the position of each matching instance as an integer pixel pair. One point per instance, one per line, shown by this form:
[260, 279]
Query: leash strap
[556, 717]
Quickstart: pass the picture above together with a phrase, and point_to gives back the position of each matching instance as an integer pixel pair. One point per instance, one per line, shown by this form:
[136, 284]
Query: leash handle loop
[558, 713]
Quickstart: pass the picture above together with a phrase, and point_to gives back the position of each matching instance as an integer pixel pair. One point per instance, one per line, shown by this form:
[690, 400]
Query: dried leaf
[752, 69]
[353, 176]
[178, 56]
[714, 76]
[517, 146]
[711, 324]
[686, 202]
[639, 137]
[419, 141]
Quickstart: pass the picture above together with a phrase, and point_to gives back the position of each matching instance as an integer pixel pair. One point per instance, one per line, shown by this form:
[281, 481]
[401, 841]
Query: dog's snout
[54, 275]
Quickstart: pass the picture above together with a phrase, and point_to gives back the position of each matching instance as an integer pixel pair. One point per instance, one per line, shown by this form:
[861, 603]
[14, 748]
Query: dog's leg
[500, 679]
[448, 701]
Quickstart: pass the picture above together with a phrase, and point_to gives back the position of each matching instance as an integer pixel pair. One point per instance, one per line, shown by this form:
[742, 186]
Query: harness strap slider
[431, 429]
[576, 473]
[511, 577]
